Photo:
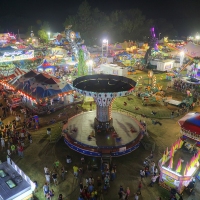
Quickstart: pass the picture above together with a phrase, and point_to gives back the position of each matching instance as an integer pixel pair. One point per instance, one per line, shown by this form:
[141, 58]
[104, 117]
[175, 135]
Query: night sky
[184, 14]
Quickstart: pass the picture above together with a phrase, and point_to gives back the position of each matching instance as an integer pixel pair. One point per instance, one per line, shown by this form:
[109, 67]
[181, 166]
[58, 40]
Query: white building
[15, 184]
[113, 69]
[165, 65]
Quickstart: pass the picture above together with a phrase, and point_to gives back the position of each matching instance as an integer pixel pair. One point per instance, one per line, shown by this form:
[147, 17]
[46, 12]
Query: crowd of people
[51, 178]
[14, 134]
[182, 86]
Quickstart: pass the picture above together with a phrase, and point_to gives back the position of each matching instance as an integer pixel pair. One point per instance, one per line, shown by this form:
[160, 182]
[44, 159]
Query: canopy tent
[40, 85]
[191, 49]
[125, 54]
[191, 122]
[16, 73]
[45, 66]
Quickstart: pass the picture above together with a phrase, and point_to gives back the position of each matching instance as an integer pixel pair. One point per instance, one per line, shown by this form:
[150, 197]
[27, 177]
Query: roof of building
[17, 183]
[191, 122]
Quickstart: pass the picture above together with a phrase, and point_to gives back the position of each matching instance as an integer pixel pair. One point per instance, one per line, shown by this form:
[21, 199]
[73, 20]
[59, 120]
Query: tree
[45, 26]
[82, 68]
[71, 20]
[43, 35]
[165, 28]
[31, 28]
[84, 15]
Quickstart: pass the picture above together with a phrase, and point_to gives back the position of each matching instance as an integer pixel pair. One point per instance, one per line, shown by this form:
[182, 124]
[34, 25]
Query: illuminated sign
[17, 55]
[174, 176]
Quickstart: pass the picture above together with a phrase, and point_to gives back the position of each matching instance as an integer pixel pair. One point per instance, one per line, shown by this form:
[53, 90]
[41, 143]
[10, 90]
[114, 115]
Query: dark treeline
[94, 24]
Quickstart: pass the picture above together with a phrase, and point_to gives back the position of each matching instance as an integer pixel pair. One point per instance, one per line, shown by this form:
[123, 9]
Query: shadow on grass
[43, 139]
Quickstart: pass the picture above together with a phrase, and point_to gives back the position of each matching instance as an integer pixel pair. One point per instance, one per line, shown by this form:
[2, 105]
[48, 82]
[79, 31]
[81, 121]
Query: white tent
[191, 49]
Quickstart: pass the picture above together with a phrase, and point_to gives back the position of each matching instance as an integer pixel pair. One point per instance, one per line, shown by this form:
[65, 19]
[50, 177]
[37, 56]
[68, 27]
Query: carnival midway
[118, 120]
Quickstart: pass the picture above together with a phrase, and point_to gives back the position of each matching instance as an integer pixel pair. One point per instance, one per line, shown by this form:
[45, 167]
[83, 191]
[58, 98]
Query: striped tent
[19, 72]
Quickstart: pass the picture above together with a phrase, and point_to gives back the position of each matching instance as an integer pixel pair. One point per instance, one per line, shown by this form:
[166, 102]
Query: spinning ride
[111, 132]
[104, 89]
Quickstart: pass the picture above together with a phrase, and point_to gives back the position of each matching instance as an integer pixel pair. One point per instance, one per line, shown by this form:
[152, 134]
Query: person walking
[48, 178]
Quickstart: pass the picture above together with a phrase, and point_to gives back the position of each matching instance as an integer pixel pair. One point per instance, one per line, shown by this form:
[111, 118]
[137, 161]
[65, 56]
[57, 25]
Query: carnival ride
[107, 131]
[76, 43]
[153, 43]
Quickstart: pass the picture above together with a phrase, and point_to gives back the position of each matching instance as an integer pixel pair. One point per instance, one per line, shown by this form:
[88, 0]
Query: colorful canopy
[46, 65]
[191, 122]
[40, 85]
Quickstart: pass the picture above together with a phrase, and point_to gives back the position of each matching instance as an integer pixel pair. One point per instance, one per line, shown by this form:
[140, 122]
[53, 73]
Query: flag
[163, 158]
[172, 151]
[180, 143]
[178, 167]
[171, 163]
[167, 152]
[186, 169]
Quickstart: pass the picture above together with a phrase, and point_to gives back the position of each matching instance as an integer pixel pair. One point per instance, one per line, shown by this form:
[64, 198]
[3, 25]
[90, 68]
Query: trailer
[188, 102]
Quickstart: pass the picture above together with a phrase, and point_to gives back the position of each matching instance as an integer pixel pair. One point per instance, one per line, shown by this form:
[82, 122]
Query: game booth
[190, 128]
[46, 67]
[178, 167]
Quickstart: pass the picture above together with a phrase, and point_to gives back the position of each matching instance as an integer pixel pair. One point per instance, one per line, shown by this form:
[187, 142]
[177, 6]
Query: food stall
[178, 167]
[14, 100]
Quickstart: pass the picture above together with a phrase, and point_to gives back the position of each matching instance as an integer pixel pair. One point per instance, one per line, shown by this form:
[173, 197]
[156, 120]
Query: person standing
[30, 138]
[153, 180]
[13, 149]
[21, 151]
[54, 176]
[142, 174]
[139, 187]
[60, 197]
[51, 194]
[2, 143]
[46, 169]
[128, 192]
[45, 189]
[75, 169]
[48, 178]
[112, 175]
[63, 173]
[36, 186]
[81, 186]
[136, 197]
[121, 190]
